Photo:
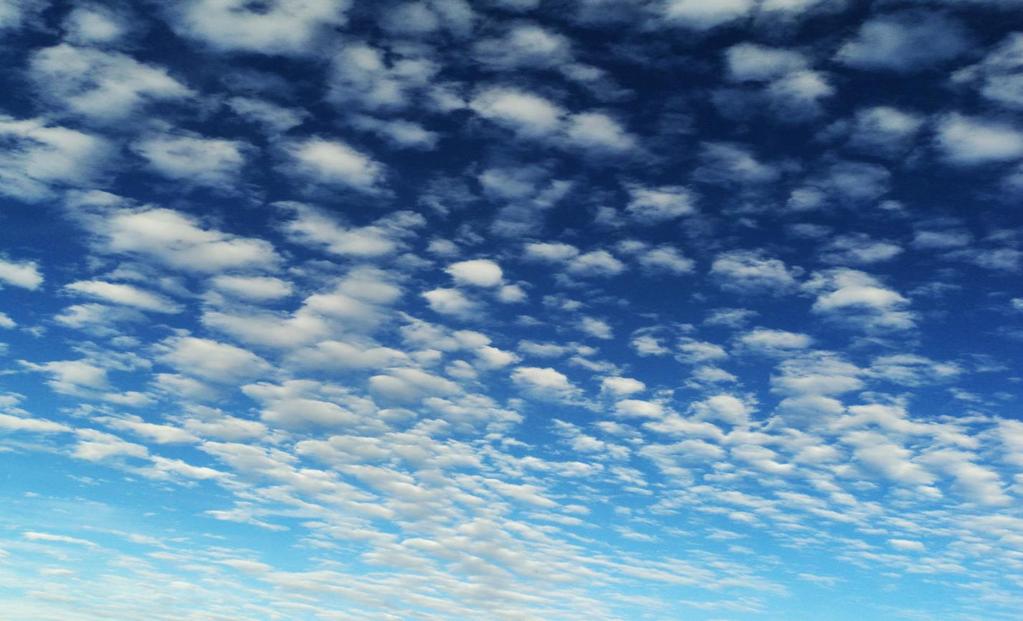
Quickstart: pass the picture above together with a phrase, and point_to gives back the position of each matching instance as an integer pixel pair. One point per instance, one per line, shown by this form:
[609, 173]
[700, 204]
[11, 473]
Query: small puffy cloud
[596, 132]
[361, 76]
[905, 42]
[15, 14]
[703, 15]
[764, 340]
[907, 545]
[124, 294]
[511, 294]
[798, 95]
[999, 76]
[24, 274]
[274, 118]
[597, 328]
[104, 86]
[665, 259]
[527, 114]
[749, 62]
[535, 117]
[39, 157]
[448, 301]
[594, 264]
[524, 46]
[751, 271]
[970, 141]
[72, 376]
[637, 408]
[816, 373]
[883, 128]
[723, 407]
[659, 204]
[310, 226]
[550, 251]
[912, 370]
[399, 133]
[854, 296]
[94, 24]
[727, 163]
[211, 360]
[334, 163]
[693, 351]
[277, 27]
[172, 238]
[621, 386]
[476, 272]
[253, 288]
[193, 159]
[544, 383]
[859, 249]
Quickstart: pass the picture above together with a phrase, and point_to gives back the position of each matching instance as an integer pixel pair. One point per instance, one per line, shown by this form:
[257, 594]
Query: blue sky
[700, 310]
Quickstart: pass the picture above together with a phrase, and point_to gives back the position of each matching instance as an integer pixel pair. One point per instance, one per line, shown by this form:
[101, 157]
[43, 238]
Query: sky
[517, 310]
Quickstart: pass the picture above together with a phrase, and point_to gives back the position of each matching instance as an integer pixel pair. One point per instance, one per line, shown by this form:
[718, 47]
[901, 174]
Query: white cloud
[637, 408]
[907, 545]
[274, 27]
[851, 295]
[905, 42]
[597, 328]
[170, 237]
[476, 272]
[194, 159]
[1000, 74]
[660, 204]
[332, 162]
[665, 259]
[750, 271]
[969, 141]
[884, 128]
[723, 407]
[211, 360]
[524, 46]
[399, 133]
[72, 377]
[105, 86]
[275, 118]
[254, 288]
[798, 95]
[621, 386]
[758, 63]
[545, 383]
[39, 157]
[595, 263]
[859, 249]
[597, 132]
[128, 295]
[550, 251]
[310, 226]
[702, 15]
[94, 25]
[361, 76]
[24, 274]
[728, 163]
[769, 341]
[450, 302]
[15, 14]
[526, 113]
